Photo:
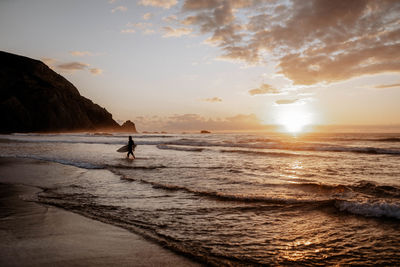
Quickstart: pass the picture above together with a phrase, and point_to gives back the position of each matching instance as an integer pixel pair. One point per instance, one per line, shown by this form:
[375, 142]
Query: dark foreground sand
[39, 235]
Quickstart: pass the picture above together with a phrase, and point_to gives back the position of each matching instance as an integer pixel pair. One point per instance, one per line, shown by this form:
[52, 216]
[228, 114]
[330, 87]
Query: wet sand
[33, 234]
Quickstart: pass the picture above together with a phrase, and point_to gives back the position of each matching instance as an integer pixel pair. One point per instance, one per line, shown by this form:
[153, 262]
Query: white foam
[370, 209]
[180, 148]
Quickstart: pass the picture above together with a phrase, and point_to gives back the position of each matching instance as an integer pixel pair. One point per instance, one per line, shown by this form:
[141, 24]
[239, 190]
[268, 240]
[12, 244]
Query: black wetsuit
[131, 146]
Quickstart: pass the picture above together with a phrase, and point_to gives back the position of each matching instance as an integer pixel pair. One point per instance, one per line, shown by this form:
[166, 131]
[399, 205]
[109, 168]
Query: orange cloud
[96, 71]
[387, 85]
[213, 99]
[313, 41]
[159, 3]
[76, 66]
[48, 61]
[80, 53]
[264, 89]
[73, 66]
[176, 32]
[286, 101]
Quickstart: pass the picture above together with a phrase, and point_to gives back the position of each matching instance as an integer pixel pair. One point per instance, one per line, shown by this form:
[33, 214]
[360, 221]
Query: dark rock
[34, 98]
[128, 126]
[204, 132]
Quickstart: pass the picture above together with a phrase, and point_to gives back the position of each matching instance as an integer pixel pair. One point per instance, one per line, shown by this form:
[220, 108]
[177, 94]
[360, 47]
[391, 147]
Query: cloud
[149, 31]
[119, 8]
[140, 25]
[316, 41]
[145, 27]
[286, 101]
[128, 31]
[195, 122]
[73, 66]
[147, 16]
[80, 53]
[170, 19]
[387, 86]
[48, 61]
[77, 66]
[112, 1]
[212, 100]
[159, 3]
[264, 89]
[96, 71]
[176, 32]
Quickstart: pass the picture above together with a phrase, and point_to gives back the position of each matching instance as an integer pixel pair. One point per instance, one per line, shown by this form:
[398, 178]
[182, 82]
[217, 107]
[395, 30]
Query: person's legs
[130, 152]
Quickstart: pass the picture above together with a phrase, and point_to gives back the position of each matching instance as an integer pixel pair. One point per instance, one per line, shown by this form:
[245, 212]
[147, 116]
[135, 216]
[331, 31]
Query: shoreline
[35, 234]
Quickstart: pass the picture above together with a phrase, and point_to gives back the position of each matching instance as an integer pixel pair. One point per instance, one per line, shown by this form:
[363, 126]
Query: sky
[219, 64]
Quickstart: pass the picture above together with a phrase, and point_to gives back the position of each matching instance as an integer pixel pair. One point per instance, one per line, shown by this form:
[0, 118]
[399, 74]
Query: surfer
[131, 147]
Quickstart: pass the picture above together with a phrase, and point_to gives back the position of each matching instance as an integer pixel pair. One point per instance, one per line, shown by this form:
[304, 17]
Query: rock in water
[128, 126]
[34, 98]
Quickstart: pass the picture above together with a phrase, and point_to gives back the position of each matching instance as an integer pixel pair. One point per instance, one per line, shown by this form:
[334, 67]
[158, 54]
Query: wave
[390, 139]
[362, 150]
[189, 149]
[348, 198]
[370, 209]
[153, 136]
[200, 143]
[385, 139]
[121, 166]
[370, 188]
[235, 197]
[297, 146]
[253, 152]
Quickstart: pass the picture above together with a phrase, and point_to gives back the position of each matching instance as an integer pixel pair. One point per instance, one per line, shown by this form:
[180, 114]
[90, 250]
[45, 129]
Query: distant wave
[391, 139]
[285, 146]
[86, 141]
[362, 150]
[253, 152]
[153, 136]
[130, 167]
[198, 144]
[190, 149]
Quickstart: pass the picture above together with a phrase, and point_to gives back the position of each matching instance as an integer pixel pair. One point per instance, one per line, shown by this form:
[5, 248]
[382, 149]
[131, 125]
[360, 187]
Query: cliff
[34, 98]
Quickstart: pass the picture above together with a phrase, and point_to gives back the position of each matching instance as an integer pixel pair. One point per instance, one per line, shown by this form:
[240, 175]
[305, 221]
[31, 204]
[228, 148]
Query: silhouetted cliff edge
[34, 98]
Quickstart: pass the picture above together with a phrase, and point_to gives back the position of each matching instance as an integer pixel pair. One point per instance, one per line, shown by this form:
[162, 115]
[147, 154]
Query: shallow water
[237, 198]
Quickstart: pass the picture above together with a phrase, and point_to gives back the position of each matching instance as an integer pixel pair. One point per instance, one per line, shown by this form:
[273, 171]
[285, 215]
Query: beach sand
[33, 234]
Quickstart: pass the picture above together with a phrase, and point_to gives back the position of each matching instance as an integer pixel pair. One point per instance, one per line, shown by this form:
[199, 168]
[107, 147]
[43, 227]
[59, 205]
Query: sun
[293, 118]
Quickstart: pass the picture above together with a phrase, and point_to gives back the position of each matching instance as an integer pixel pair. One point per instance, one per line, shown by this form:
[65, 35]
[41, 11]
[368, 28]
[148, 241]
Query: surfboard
[125, 149]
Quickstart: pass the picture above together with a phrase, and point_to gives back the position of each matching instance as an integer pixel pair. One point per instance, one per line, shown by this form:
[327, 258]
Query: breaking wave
[370, 209]
[343, 197]
[180, 148]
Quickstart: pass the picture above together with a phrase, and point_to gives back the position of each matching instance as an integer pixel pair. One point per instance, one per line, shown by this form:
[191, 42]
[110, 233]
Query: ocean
[235, 199]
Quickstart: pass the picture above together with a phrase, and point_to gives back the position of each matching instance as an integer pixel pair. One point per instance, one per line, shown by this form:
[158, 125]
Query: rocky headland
[34, 98]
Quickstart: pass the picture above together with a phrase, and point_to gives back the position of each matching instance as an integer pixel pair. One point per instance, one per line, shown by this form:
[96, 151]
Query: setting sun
[294, 118]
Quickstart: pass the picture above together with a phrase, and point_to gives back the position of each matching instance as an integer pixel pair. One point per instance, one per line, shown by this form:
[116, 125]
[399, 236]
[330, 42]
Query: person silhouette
[131, 147]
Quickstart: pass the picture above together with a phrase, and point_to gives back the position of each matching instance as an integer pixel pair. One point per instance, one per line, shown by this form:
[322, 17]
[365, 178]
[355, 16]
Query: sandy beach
[33, 234]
